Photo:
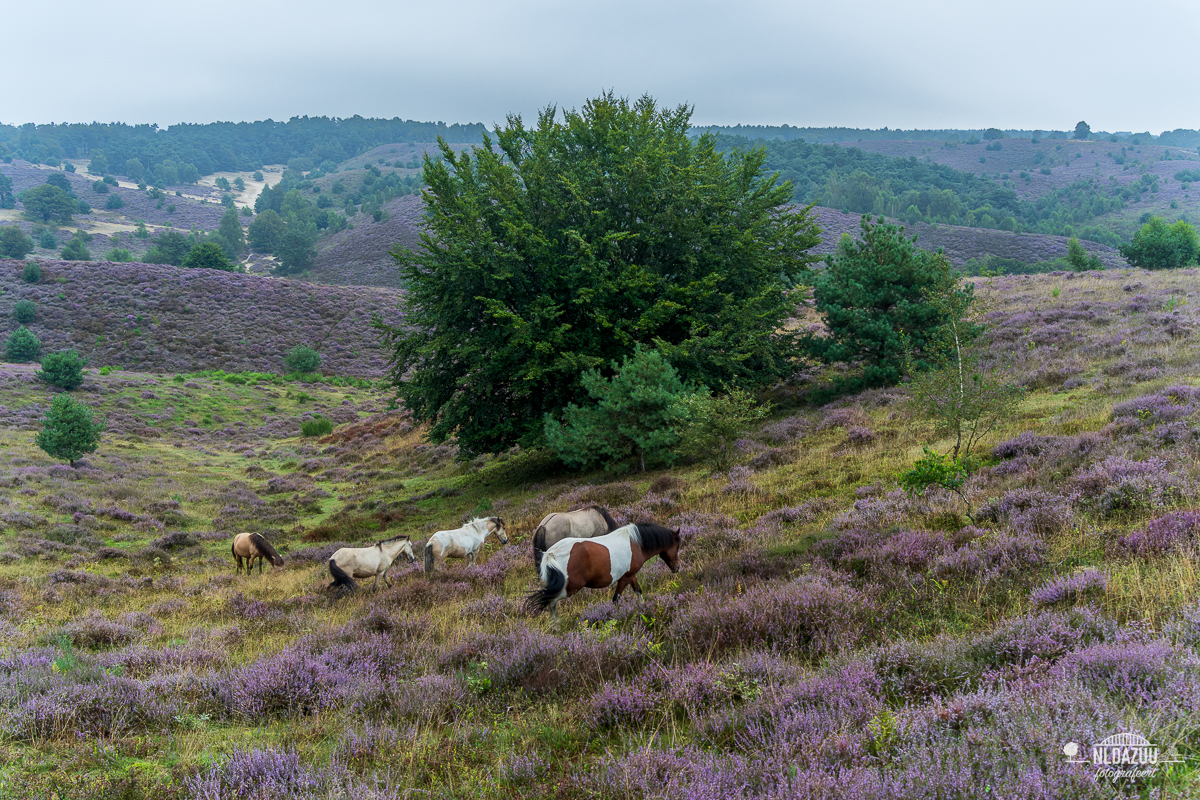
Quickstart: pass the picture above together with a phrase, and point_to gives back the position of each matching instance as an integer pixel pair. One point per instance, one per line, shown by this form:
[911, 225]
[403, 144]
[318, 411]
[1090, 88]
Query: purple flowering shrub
[789, 616]
[1076, 587]
[1117, 485]
[1030, 512]
[1169, 533]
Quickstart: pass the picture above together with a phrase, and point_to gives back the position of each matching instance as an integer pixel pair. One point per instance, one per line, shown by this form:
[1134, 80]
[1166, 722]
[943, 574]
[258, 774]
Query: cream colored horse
[586, 523]
[367, 562]
[464, 542]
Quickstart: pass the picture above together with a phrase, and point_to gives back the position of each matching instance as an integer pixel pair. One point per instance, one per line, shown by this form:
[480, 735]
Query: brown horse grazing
[251, 546]
[608, 560]
[584, 523]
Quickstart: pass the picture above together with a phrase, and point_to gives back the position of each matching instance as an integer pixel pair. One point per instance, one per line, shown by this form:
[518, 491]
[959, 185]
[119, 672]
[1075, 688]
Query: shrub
[75, 250]
[21, 346]
[48, 241]
[14, 243]
[317, 426]
[1163, 535]
[790, 616]
[302, 358]
[32, 273]
[119, 254]
[113, 202]
[63, 369]
[208, 255]
[1074, 587]
[24, 311]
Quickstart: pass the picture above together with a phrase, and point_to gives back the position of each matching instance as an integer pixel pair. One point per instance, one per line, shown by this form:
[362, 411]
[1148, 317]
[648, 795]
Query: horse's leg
[634, 584]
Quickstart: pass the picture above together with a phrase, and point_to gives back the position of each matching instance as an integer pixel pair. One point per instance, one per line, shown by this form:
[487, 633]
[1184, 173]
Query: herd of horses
[572, 550]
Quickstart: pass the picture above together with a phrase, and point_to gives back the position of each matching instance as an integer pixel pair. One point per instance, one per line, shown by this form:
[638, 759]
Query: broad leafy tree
[1158, 245]
[557, 249]
[266, 231]
[45, 203]
[6, 196]
[208, 255]
[875, 294]
[297, 249]
[170, 247]
[1082, 130]
[233, 238]
[14, 243]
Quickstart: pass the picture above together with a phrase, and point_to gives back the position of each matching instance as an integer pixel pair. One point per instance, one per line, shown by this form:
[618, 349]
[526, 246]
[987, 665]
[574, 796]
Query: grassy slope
[246, 470]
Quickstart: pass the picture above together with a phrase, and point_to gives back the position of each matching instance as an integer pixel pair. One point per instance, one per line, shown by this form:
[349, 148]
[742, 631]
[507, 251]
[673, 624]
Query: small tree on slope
[70, 430]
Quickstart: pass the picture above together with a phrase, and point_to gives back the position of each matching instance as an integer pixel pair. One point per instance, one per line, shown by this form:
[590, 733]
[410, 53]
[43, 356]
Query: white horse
[464, 542]
[367, 562]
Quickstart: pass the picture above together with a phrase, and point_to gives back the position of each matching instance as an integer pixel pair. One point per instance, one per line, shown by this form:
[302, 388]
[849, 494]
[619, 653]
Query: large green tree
[233, 238]
[1158, 245]
[875, 294]
[559, 248]
[266, 231]
[44, 203]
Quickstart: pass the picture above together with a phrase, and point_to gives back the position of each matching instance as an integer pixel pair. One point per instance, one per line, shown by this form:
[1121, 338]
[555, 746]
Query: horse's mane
[608, 520]
[266, 549]
[654, 537]
[382, 542]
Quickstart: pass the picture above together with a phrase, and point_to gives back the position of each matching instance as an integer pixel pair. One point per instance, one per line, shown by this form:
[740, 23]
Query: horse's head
[496, 525]
[671, 554]
[408, 551]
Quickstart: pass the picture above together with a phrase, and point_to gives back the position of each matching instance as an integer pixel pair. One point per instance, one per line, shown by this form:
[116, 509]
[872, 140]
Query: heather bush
[1117, 485]
[270, 774]
[992, 556]
[1045, 636]
[1141, 672]
[1080, 586]
[1170, 533]
[92, 630]
[1030, 512]
[789, 616]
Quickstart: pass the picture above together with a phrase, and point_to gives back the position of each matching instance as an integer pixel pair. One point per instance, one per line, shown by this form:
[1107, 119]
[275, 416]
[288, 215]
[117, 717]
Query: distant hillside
[1141, 176]
[168, 319]
[362, 256]
[961, 244]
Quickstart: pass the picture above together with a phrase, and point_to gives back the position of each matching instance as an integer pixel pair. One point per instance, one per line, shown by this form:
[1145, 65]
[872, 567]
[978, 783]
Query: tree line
[191, 150]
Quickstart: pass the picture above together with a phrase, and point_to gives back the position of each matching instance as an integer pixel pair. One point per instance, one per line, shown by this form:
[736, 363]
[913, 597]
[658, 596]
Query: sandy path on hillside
[271, 174]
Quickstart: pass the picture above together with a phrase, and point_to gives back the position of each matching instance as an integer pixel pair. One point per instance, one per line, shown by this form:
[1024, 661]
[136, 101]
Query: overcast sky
[1031, 64]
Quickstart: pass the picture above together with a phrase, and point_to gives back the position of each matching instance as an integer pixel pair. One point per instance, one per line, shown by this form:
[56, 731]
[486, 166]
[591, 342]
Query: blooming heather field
[827, 636]
[170, 319]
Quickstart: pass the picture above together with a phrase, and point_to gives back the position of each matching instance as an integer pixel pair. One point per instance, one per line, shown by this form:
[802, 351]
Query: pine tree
[632, 419]
[70, 430]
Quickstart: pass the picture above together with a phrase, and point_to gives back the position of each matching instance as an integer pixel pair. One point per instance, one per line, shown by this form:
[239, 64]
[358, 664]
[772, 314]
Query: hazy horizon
[936, 65]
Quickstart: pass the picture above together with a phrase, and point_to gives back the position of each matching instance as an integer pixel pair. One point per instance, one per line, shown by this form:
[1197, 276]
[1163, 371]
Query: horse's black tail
[539, 600]
[341, 579]
[429, 557]
[539, 548]
[265, 548]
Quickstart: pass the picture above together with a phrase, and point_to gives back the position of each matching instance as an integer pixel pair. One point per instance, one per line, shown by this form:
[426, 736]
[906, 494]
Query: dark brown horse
[251, 546]
[609, 560]
[558, 525]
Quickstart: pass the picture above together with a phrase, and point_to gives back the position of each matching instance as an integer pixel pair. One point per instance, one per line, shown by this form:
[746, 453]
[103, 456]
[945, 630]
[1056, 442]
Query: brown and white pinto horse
[558, 525]
[251, 546]
[609, 560]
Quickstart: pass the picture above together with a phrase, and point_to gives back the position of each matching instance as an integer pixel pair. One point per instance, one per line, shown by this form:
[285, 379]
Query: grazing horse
[251, 546]
[464, 542]
[367, 562]
[611, 559]
[558, 525]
